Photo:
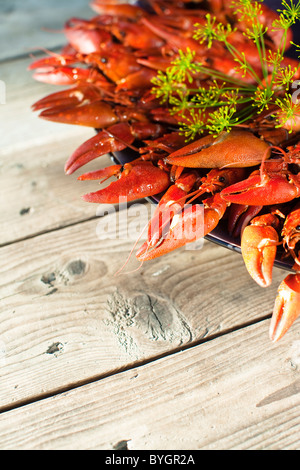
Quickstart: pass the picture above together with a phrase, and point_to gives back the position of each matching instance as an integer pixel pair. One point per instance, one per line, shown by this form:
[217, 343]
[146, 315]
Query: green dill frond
[288, 16]
[212, 31]
[193, 123]
[210, 101]
[209, 97]
[246, 9]
[179, 102]
[274, 58]
[288, 113]
[223, 119]
[284, 76]
[183, 67]
[206, 32]
[164, 84]
[297, 48]
[231, 97]
[262, 98]
[248, 12]
[243, 64]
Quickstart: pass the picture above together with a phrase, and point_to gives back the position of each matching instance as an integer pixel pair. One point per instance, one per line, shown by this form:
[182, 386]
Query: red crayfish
[251, 173]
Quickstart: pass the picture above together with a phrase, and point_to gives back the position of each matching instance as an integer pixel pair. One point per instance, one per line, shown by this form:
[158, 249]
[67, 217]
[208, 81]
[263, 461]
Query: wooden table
[173, 356]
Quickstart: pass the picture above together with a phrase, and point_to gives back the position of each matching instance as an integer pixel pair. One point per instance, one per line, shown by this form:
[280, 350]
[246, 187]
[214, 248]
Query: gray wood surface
[28, 26]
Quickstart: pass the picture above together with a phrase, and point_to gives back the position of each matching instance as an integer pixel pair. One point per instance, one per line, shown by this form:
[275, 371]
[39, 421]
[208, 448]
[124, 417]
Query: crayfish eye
[298, 227]
[222, 179]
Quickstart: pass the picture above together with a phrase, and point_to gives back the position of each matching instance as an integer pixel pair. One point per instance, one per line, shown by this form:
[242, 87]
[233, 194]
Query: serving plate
[220, 235]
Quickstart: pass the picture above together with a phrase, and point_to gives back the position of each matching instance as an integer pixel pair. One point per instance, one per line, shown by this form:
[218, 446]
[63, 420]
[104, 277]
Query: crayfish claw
[103, 174]
[100, 144]
[236, 148]
[98, 114]
[259, 247]
[286, 308]
[138, 180]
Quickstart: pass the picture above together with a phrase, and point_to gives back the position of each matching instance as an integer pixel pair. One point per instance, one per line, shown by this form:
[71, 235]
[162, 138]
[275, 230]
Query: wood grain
[237, 392]
[174, 355]
[60, 289]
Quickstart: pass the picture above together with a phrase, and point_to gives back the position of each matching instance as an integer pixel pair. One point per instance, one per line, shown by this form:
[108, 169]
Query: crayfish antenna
[118, 273]
[54, 58]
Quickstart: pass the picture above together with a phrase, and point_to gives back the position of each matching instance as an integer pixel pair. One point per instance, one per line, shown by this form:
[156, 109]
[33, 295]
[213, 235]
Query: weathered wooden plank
[238, 392]
[66, 317]
[25, 26]
[36, 196]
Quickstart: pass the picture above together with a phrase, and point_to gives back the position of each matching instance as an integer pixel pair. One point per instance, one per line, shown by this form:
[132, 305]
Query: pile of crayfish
[248, 177]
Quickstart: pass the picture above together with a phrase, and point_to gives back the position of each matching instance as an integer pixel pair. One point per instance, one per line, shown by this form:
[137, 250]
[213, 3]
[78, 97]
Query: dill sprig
[208, 100]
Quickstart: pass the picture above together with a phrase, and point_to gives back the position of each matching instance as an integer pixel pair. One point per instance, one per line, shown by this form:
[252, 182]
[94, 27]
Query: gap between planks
[56, 229]
[194, 399]
[114, 208]
[103, 322]
[25, 56]
[133, 366]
